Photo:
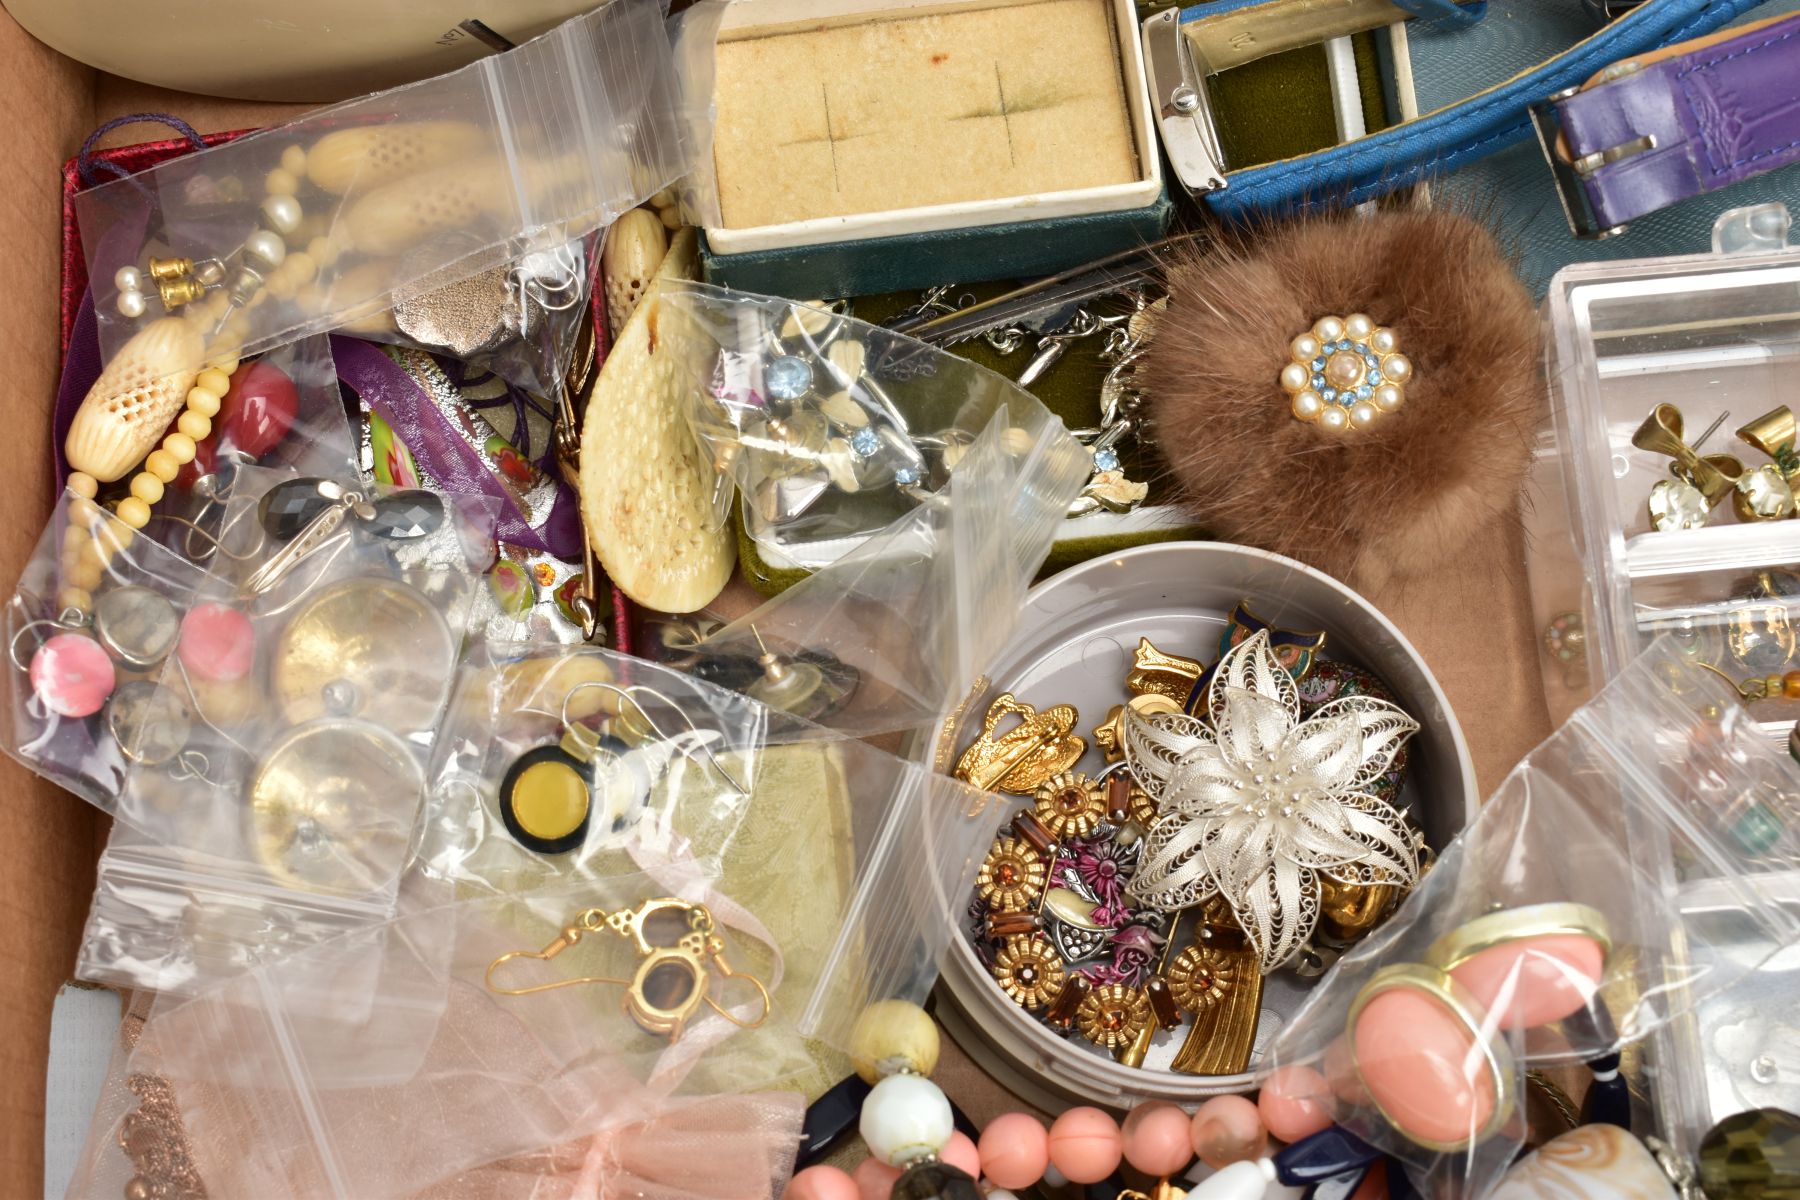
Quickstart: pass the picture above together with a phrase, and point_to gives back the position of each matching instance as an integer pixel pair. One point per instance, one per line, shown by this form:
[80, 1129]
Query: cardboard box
[1472, 623]
[51, 839]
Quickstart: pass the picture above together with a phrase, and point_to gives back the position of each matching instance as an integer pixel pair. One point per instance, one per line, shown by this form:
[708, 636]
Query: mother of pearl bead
[1294, 377]
[1594, 1162]
[1305, 347]
[1358, 325]
[1334, 418]
[1363, 415]
[1383, 341]
[1328, 329]
[905, 1117]
[1388, 397]
[1308, 405]
[1397, 367]
[1239, 1181]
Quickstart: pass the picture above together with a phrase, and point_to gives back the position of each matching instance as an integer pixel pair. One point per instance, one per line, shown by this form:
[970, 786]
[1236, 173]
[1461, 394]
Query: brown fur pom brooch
[1357, 392]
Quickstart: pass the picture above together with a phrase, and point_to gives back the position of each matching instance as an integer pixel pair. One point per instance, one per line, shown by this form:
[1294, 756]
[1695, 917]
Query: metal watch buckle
[1577, 209]
[1183, 114]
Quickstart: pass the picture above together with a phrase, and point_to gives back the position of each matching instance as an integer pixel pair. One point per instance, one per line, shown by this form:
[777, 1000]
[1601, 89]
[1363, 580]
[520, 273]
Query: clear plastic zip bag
[280, 762]
[833, 429]
[329, 219]
[1554, 931]
[923, 578]
[519, 321]
[95, 615]
[280, 411]
[558, 765]
[525, 1056]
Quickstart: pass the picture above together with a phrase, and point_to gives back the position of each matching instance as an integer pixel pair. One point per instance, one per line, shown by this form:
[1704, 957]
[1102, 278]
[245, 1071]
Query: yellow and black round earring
[546, 798]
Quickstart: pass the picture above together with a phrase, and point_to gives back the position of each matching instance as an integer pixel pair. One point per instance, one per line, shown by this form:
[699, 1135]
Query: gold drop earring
[678, 947]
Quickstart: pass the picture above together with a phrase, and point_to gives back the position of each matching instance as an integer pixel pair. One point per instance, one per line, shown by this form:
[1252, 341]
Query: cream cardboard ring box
[893, 123]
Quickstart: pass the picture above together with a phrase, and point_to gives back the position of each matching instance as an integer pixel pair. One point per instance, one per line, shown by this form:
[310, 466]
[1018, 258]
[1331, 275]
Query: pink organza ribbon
[715, 1148]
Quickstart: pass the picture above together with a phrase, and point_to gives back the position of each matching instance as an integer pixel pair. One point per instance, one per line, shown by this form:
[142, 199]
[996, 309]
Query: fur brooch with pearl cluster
[1359, 392]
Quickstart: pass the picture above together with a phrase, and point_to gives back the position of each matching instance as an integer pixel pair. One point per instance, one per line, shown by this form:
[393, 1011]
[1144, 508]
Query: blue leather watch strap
[1459, 133]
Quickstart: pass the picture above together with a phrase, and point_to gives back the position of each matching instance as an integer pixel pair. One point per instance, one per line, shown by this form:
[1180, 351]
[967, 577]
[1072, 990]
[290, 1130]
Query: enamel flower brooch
[1256, 804]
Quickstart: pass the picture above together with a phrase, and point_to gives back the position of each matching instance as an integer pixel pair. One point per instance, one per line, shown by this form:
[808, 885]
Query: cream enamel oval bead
[808, 317]
[635, 247]
[905, 1117]
[848, 357]
[1238, 1181]
[1594, 1162]
[893, 1036]
[142, 388]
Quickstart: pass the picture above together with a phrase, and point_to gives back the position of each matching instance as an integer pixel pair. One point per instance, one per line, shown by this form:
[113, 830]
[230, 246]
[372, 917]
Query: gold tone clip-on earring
[1766, 493]
[678, 947]
[1687, 501]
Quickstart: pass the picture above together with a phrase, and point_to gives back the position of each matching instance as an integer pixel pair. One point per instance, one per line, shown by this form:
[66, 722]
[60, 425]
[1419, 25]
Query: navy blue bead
[1399, 1183]
[1608, 1102]
[1324, 1155]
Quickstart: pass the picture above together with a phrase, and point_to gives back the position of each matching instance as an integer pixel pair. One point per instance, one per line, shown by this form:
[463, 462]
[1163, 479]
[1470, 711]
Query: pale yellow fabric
[901, 112]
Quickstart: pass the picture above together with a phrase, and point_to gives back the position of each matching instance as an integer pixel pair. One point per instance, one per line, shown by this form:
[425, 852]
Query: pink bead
[72, 675]
[962, 1154]
[217, 643]
[1157, 1139]
[1295, 1103]
[1228, 1129]
[1421, 1066]
[1085, 1145]
[1015, 1149]
[822, 1183]
[1537, 980]
[874, 1179]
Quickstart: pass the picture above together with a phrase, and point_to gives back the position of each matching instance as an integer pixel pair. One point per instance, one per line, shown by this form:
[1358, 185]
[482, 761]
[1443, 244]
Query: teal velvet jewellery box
[1005, 140]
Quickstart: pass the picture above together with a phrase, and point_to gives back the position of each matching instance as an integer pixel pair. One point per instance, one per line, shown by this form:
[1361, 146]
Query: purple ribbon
[399, 399]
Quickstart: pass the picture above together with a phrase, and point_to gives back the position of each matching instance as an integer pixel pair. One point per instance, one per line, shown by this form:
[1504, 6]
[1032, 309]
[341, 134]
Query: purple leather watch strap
[1687, 125]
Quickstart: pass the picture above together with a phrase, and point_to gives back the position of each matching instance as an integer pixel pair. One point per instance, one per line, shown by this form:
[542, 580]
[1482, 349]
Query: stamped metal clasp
[1183, 113]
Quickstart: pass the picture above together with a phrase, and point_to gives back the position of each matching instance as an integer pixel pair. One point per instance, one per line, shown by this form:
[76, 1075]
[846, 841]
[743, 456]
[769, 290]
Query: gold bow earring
[1700, 482]
[678, 945]
[1768, 490]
